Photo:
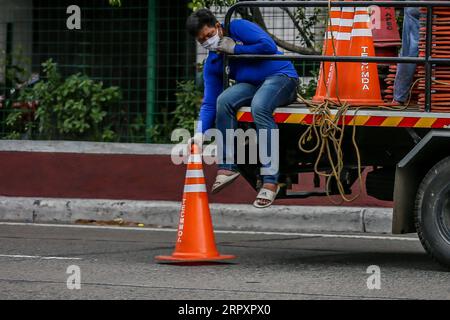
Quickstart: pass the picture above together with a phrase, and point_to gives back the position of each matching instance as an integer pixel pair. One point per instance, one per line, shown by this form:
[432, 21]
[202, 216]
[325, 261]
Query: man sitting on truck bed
[262, 85]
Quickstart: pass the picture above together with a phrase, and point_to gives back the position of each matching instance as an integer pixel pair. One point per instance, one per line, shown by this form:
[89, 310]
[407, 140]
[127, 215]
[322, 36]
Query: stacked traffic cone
[360, 84]
[328, 50]
[195, 236]
[342, 46]
[440, 49]
[386, 35]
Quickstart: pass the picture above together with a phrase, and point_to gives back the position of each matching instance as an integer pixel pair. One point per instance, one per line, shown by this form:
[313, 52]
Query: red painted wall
[120, 177]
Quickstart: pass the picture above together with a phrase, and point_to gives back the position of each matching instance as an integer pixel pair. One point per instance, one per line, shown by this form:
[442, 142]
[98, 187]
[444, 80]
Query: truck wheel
[432, 212]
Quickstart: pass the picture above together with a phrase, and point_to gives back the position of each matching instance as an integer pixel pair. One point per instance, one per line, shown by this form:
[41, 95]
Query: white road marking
[322, 235]
[17, 256]
[288, 234]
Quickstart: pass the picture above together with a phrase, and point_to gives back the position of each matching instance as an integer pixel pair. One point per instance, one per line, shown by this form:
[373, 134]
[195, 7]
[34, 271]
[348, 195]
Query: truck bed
[369, 117]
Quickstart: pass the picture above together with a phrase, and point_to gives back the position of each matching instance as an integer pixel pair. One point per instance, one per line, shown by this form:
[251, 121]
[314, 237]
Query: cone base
[318, 99]
[322, 99]
[194, 259]
[352, 102]
[361, 103]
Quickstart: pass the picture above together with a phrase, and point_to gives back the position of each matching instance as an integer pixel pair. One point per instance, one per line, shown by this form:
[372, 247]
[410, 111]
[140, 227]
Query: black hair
[198, 20]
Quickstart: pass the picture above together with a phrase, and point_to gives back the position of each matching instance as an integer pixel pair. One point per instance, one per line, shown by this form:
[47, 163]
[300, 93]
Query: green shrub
[69, 109]
[189, 99]
[308, 90]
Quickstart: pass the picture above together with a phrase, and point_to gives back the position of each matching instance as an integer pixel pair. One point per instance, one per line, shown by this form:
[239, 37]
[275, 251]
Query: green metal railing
[151, 67]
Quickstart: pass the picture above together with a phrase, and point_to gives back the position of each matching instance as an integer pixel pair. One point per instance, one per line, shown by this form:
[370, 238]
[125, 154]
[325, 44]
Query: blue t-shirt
[250, 39]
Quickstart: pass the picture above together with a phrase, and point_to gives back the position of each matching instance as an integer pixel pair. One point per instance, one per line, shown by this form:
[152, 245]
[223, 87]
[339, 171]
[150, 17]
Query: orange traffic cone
[195, 237]
[328, 50]
[361, 85]
[342, 48]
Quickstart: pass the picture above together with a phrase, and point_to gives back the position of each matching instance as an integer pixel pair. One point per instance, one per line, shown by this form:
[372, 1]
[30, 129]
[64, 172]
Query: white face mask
[212, 43]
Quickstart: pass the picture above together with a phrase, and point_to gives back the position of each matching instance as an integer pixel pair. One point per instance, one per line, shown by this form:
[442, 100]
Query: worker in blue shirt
[262, 85]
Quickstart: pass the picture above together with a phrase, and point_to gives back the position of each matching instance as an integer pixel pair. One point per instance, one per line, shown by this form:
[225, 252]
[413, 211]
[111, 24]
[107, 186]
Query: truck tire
[432, 212]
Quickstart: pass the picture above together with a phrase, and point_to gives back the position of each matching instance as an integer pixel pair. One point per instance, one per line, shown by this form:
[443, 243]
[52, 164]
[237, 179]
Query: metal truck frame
[409, 150]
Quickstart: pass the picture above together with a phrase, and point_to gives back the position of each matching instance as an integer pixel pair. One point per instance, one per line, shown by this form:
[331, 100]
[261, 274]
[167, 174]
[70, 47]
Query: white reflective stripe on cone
[362, 18]
[335, 21]
[332, 35]
[346, 23]
[336, 9]
[348, 9]
[362, 10]
[195, 174]
[344, 36]
[191, 188]
[361, 33]
[195, 158]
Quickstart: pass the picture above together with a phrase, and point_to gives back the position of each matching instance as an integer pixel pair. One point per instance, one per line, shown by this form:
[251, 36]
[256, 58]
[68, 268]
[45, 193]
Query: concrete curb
[225, 217]
[85, 147]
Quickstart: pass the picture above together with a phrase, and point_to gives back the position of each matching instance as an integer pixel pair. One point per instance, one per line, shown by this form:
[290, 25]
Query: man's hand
[226, 45]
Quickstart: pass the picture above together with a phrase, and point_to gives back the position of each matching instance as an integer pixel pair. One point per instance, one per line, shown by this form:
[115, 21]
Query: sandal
[222, 181]
[266, 194]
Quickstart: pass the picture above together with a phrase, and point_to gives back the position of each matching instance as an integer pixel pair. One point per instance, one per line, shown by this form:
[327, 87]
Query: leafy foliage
[72, 108]
[305, 24]
[115, 3]
[308, 89]
[198, 4]
[189, 99]
[15, 66]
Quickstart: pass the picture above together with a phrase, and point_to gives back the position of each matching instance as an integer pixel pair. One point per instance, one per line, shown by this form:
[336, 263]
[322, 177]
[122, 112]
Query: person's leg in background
[228, 103]
[410, 48]
[276, 91]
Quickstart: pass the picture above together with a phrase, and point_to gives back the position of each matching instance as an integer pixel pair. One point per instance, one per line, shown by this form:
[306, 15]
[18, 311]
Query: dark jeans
[276, 91]
[410, 48]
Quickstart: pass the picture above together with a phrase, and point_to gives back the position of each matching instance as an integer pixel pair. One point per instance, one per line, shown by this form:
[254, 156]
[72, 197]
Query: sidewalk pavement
[165, 214]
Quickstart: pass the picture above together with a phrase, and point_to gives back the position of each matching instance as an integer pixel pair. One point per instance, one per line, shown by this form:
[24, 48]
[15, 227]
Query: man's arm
[213, 88]
[255, 39]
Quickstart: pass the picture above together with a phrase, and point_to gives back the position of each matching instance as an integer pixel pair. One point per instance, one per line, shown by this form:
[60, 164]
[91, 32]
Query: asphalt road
[118, 264]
